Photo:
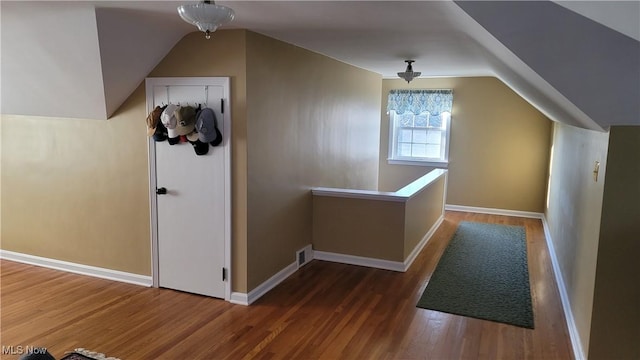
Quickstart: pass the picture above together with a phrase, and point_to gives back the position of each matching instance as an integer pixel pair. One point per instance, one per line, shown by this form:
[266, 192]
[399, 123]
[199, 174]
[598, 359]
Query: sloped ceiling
[132, 42]
[72, 59]
[621, 16]
[593, 66]
[577, 62]
[54, 68]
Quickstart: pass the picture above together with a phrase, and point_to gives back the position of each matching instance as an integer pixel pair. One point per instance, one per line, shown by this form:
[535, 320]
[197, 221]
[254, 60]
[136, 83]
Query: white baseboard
[425, 239]
[566, 306]
[492, 211]
[239, 298]
[380, 263]
[81, 269]
[247, 299]
[260, 290]
[359, 260]
[564, 297]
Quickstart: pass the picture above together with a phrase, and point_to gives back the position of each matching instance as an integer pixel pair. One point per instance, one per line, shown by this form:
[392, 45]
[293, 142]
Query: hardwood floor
[325, 310]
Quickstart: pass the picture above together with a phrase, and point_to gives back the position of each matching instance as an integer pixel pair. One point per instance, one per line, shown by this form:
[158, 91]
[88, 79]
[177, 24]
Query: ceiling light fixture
[207, 16]
[409, 74]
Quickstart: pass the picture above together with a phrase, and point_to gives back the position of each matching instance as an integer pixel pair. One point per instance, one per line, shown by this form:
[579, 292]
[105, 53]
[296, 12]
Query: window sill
[435, 164]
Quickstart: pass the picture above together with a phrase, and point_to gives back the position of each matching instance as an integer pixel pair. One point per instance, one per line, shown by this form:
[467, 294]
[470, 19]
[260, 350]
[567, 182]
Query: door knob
[161, 191]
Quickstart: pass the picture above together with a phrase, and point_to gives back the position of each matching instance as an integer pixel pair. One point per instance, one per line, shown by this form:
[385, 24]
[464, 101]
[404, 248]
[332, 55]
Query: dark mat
[483, 274]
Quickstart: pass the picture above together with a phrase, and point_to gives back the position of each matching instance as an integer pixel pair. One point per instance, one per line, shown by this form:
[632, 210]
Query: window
[419, 126]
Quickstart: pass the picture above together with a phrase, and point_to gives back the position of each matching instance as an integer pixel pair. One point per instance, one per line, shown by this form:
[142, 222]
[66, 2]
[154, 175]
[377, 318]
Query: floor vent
[304, 255]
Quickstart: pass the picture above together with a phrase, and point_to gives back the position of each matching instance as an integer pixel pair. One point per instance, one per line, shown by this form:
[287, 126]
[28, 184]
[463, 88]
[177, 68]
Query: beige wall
[422, 211]
[1, 126]
[499, 148]
[380, 226]
[77, 189]
[311, 121]
[359, 227]
[573, 214]
[615, 320]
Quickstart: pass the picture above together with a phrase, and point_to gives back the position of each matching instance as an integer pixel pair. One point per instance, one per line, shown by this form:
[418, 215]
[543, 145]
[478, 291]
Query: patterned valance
[434, 102]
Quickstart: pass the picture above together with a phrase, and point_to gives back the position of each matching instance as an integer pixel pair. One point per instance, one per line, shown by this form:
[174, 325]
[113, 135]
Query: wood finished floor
[325, 310]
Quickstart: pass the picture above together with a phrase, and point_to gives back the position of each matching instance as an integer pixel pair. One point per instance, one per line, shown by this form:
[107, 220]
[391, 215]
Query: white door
[192, 217]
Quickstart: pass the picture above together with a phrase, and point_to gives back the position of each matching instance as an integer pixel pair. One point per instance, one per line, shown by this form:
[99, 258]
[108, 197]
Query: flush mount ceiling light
[207, 16]
[409, 74]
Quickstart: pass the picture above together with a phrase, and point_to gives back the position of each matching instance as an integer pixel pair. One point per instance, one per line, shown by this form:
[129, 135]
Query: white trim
[358, 194]
[153, 208]
[247, 299]
[437, 164]
[394, 159]
[422, 183]
[564, 297]
[75, 268]
[255, 294]
[359, 260]
[425, 239]
[380, 263]
[226, 148]
[239, 298]
[228, 185]
[401, 195]
[492, 211]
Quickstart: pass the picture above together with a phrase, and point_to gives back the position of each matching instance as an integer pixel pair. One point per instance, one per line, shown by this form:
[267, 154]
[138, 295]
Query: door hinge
[222, 106]
[224, 274]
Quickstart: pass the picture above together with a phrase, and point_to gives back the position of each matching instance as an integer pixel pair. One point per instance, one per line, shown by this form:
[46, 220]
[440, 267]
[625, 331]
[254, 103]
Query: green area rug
[483, 274]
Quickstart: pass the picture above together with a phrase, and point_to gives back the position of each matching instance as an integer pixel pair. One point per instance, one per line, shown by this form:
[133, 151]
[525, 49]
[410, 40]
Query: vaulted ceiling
[576, 61]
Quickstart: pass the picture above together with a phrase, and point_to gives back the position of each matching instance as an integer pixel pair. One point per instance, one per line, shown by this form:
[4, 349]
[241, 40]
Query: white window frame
[394, 134]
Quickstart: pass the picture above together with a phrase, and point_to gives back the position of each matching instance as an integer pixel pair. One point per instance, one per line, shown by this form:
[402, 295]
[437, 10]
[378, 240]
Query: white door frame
[225, 147]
